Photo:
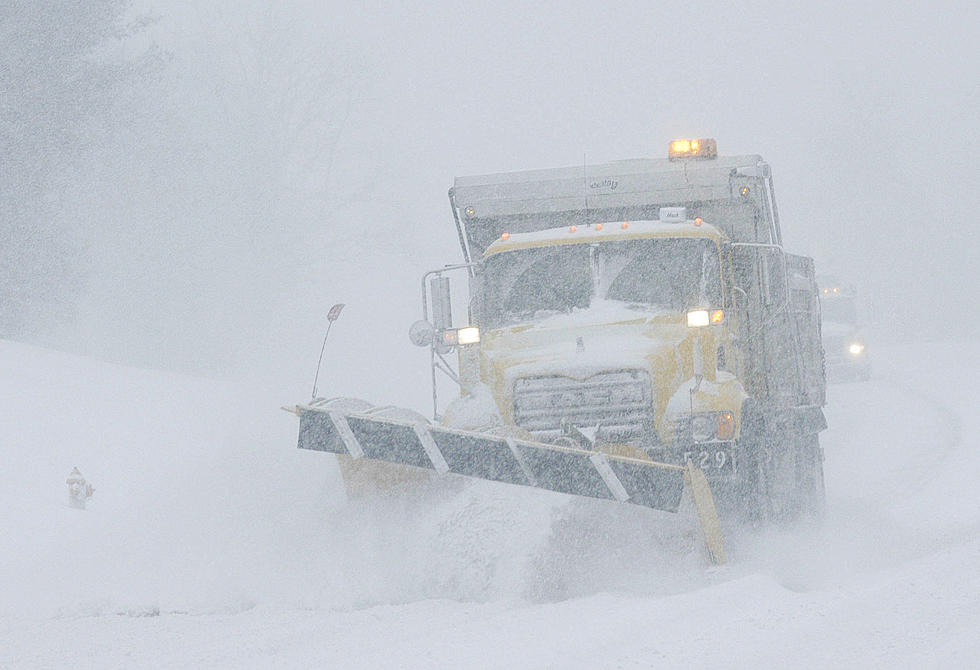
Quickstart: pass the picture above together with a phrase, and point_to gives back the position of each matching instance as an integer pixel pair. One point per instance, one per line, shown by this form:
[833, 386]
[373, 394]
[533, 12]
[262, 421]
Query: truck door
[774, 367]
[806, 314]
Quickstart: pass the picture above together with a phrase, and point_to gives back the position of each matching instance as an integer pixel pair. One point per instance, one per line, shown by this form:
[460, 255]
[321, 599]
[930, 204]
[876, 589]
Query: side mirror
[442, 305]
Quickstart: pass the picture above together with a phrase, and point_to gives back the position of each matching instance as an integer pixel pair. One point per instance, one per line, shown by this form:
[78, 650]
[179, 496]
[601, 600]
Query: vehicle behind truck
[844, 341]
[633, 329]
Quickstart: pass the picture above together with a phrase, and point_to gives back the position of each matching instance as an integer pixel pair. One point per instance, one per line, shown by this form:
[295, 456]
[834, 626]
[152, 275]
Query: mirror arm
[425, 278]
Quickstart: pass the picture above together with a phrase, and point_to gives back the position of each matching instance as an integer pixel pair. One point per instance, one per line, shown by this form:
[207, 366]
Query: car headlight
[856, 348]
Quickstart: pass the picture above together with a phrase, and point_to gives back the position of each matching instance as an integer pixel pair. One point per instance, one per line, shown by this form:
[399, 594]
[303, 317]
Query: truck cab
[590, 330]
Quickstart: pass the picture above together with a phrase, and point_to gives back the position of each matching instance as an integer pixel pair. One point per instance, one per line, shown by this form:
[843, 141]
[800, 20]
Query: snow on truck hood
[600, 312]
[612, 335]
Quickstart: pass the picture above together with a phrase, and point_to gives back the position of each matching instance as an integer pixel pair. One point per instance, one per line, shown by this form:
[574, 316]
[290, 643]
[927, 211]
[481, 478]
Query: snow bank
[212, 542]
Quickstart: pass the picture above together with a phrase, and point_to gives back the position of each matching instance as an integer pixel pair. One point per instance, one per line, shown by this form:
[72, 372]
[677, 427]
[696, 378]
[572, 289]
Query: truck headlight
[713, 426]
[703, 427]
[856, 348]
[468, 335]
[698, 318]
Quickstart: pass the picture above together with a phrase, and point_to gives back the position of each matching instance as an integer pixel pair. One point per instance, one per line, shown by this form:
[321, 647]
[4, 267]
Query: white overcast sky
[866, 111]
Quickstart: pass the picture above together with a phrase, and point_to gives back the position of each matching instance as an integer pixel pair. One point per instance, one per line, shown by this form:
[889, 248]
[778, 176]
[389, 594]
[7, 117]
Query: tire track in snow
[952, 426]
[891, 447]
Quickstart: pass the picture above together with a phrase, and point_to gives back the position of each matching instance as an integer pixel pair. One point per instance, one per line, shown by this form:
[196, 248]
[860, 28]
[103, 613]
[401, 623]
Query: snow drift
[209, 527]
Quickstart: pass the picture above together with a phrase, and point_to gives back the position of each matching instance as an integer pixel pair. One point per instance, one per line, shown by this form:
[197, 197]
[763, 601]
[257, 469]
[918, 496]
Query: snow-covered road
[212, 542]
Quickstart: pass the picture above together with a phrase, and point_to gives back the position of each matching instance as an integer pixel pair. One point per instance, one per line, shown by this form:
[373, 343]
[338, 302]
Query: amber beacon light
[705, 148]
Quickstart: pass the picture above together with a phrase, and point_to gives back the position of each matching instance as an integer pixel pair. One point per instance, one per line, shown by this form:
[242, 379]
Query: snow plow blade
[567, 470]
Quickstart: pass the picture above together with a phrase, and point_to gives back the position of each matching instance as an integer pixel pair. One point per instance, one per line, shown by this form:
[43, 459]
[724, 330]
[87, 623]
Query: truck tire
[753, 502]
[811, 495]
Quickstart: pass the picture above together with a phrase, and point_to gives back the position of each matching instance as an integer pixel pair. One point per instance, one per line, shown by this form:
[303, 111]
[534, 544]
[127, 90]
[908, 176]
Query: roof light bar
[706, 148]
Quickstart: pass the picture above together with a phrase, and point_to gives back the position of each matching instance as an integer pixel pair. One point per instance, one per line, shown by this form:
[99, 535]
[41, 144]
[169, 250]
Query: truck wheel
[753, 503]
[809, 476]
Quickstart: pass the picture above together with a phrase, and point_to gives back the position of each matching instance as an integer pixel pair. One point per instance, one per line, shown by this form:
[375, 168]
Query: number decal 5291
[713, 460]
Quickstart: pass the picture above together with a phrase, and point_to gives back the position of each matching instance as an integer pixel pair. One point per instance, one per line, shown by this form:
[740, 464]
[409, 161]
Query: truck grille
[620, 402]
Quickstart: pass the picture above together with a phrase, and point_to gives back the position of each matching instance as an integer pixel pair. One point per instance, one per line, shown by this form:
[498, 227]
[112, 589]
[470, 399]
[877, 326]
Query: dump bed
[487, 205]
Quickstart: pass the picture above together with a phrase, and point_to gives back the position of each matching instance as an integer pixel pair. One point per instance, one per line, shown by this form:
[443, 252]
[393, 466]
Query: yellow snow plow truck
[635, 330]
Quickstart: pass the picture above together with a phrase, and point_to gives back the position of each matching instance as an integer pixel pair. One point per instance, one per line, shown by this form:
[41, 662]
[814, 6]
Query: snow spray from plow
[573, 471]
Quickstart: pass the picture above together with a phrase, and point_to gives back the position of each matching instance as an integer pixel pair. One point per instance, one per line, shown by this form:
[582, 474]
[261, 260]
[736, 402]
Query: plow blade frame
[567, 470]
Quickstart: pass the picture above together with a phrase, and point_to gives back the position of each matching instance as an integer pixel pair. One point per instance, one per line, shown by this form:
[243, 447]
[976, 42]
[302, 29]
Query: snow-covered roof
[630, 190]
[617, 184]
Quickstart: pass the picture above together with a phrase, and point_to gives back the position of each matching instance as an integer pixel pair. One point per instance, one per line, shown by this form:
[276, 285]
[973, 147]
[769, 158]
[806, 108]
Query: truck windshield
[654, 274]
